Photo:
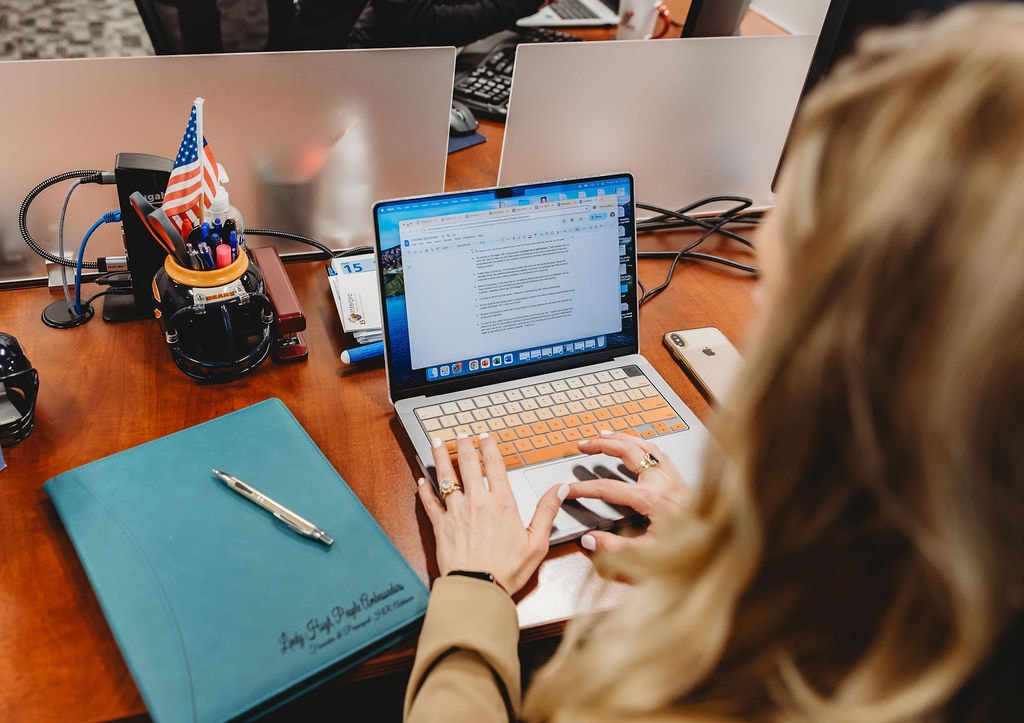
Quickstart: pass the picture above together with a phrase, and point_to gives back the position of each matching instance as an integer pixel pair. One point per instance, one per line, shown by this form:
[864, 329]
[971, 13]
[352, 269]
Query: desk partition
[309, 140]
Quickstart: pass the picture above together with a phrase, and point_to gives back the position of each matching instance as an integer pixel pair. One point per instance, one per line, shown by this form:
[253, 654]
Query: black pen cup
[217, 323]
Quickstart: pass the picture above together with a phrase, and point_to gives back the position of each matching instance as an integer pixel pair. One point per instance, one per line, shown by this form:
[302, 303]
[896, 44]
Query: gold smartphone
[708, 358]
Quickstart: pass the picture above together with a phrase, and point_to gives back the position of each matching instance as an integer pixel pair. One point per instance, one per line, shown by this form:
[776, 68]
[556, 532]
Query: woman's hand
[478, 527]
[659, 491]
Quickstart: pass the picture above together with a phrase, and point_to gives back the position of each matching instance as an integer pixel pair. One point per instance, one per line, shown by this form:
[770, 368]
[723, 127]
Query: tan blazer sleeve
[467, 657]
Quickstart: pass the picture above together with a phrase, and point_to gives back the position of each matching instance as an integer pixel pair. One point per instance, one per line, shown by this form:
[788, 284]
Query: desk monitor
[690, 118]
[310, 140]
[847, 19]
[711, 18]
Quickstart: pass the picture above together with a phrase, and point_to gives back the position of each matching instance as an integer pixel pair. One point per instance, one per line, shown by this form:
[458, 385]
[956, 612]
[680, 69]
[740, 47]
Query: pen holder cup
[217, 323]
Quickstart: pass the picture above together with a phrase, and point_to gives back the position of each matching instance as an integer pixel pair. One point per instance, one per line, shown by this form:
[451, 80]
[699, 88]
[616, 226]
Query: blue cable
[108, 217]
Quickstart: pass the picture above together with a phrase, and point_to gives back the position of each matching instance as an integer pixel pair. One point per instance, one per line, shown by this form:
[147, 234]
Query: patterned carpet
[71, 29]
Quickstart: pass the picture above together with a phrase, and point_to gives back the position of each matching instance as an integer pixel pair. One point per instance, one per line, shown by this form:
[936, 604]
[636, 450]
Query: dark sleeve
[444, 22]
[324, 24]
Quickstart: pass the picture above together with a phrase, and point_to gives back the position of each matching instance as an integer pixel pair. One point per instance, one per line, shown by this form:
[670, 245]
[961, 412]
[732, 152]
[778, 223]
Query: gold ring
[648, 462]
[447, 486]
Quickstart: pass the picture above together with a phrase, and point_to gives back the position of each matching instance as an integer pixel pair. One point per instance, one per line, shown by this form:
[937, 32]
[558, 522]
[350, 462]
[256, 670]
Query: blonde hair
[855, 550]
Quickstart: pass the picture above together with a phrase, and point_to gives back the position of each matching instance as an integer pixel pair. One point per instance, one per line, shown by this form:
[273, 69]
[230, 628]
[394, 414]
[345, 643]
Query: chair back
[178, 27]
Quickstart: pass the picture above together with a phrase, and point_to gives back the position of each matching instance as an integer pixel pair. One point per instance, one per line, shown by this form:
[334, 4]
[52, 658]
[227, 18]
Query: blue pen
[233, 243]
[205, 230]
[362, 352]
[208, 261]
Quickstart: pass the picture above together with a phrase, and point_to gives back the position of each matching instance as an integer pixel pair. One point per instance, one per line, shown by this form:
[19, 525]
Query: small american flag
[193, 180]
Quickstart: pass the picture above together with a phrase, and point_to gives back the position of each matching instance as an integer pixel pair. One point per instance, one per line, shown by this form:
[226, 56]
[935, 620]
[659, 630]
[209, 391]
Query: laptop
[654, 108]
[573, 14]
[513, 311]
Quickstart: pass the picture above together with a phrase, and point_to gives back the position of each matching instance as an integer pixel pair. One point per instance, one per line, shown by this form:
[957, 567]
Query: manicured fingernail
[584, 441]
[461, 436]
[484, 435]
[563, 492]
[587, 542]
[420, 482]
[606, 432]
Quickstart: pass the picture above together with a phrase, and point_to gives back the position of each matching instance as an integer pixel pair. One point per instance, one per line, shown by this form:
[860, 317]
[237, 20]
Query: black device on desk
[483, 70]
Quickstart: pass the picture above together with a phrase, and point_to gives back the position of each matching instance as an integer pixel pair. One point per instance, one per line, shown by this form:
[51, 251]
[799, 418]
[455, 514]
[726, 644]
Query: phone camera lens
[677, 339]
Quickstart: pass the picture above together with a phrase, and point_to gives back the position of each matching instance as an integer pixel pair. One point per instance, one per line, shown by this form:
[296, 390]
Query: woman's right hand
[659, 492]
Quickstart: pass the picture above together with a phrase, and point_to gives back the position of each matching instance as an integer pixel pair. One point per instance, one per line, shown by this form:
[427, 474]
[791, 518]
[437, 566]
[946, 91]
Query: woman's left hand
[478, 527]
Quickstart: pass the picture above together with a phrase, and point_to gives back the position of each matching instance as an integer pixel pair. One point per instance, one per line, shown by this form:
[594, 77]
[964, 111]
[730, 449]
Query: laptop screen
[495, 284]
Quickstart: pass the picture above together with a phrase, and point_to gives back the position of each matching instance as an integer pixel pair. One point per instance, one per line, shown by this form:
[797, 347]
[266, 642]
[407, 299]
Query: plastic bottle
[221, 208]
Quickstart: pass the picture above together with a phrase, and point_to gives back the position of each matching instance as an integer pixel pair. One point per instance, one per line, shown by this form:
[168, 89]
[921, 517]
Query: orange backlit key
[658, 415]
[553, 452]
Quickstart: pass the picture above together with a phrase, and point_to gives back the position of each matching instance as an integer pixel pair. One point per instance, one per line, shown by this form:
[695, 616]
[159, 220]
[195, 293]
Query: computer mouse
[462, 121]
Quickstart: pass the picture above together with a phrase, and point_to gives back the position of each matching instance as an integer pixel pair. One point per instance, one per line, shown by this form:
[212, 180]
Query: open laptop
[513, 311]
[690, 117]
[573, 14]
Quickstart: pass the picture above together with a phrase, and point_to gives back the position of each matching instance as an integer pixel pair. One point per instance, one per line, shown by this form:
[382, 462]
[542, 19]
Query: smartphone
[708, 358]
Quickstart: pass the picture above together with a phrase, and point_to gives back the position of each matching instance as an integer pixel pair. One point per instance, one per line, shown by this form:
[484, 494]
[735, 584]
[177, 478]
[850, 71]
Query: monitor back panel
[690, 118]
[310, 140]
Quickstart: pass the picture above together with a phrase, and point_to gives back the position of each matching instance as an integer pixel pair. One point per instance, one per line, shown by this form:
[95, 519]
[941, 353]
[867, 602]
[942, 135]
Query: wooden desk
[106, 387]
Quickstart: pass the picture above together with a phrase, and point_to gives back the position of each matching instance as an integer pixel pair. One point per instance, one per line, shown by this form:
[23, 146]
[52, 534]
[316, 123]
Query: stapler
[289, 320]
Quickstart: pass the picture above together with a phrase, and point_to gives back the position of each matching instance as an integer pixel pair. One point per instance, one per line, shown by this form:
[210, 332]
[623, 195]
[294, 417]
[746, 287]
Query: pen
[299, 524]
[207, 255]
[362, 352]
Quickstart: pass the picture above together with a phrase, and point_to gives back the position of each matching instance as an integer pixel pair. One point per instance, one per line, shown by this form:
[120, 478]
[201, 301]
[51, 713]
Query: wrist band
[472, 573]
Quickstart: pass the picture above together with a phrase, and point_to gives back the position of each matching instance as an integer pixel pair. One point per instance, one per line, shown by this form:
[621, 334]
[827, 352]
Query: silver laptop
[309, 139]
[573, 14]
[690, 118]
[513, 311]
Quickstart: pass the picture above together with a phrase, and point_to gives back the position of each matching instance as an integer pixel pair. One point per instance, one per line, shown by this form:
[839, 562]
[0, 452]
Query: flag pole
[200, 135]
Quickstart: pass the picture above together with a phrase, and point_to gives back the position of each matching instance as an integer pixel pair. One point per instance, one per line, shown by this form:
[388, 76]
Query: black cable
[682, 218]
[677, 257]
[354, 251]
[326, 250]
[292, 237]
[105, 292]
[698, 256]
[91, 176]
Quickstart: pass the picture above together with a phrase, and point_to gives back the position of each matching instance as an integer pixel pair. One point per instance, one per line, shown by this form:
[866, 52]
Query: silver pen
[300, 524]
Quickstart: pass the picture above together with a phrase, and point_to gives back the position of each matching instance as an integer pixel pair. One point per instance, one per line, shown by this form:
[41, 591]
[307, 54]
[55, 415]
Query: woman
[854, 551]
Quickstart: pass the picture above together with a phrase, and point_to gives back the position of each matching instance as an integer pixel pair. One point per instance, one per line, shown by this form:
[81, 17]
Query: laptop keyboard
[483, 76]
[540, 422]
[572, 10]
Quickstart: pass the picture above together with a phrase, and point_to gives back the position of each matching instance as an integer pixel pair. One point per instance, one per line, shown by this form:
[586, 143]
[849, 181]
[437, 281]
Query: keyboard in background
[483, 70]
[572, 10]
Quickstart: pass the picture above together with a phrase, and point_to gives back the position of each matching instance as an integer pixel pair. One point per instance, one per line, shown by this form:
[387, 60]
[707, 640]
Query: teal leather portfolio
[220, 610]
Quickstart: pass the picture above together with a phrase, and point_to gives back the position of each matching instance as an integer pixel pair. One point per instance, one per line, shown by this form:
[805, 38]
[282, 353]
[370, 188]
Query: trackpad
[582, 513]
